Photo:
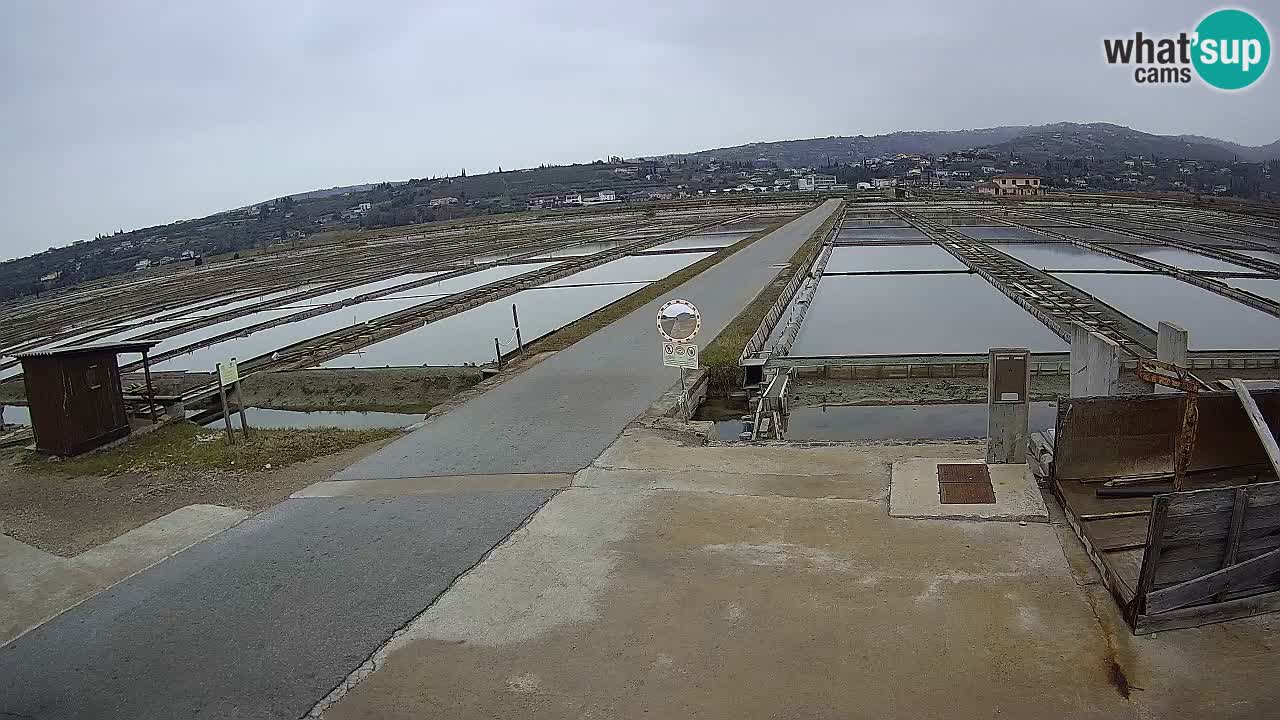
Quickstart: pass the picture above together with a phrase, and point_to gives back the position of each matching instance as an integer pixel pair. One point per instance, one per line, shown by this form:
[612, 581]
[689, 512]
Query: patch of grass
[581, 328]
[723, 352]
[187, 446]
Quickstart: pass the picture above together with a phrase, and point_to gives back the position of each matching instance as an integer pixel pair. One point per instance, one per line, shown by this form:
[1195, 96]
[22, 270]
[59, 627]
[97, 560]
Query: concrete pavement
[559, 415]
[262, 620]
[770, 582]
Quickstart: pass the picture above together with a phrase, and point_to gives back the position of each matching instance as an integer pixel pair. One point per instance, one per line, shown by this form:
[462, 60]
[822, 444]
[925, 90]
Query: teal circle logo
[1231, 49]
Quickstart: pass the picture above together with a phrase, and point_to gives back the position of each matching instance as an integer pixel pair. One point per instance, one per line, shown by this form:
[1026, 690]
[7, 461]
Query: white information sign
[228, 372]
[680, 354]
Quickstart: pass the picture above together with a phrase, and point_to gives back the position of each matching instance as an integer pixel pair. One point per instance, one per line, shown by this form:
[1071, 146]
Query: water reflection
[880, 258]
[1213, 322]
[886, 314]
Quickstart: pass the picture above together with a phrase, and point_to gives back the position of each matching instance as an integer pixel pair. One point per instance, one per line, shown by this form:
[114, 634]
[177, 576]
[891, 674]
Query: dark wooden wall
[75, 401]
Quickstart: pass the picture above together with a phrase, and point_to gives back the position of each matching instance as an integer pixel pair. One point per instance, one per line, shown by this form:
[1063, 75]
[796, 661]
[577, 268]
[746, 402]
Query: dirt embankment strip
[724, 351]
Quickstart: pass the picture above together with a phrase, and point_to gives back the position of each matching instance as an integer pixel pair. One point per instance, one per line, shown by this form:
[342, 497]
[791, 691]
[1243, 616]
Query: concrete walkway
[562, 413]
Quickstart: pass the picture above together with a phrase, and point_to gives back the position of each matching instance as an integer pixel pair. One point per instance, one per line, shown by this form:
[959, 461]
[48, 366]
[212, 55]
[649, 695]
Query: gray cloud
[126, 114]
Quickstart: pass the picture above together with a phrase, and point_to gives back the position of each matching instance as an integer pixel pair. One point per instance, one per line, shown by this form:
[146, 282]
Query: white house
[815, 181]
[1012, 185]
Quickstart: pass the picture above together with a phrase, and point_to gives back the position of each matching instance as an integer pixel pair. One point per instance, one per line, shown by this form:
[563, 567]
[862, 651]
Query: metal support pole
[684, 396]
[151, 393]
[497, 351]
[516, 319]
[226, 414]
[244, 422]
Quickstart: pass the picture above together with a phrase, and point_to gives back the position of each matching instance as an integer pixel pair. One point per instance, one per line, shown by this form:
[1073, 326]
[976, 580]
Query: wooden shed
[75, 396]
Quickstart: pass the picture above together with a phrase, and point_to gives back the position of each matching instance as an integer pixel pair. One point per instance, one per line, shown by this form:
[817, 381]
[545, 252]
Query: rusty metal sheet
[966, 493]
[963, 473]
[965, 484]
[1166, 374]
[1118, 436]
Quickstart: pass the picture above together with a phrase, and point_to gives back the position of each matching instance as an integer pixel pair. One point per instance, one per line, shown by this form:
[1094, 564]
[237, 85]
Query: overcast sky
[126, 114]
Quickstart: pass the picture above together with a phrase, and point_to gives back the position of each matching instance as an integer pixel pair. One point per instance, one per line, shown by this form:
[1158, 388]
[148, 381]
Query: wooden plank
[1223, 499]
[1265, 436]
[1252, 543]
[1208, 526]
[1172, 598]
[1198, 615]
[1122, 591]
[1232, 549]
[1174, 572]
[1125, 565]
[1150, 557]
[1118, 533]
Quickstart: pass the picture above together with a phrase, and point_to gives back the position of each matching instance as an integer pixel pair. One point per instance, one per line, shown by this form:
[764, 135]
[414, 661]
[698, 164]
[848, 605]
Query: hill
[1099, 139]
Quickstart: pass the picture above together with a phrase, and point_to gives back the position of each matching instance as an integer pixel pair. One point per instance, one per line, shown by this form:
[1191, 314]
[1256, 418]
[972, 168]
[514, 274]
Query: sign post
[226, 414]
[678, 323]
[229, 376]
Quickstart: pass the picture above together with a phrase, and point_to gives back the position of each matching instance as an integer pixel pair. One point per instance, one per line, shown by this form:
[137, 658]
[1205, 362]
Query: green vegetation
[721, 354]
[186, 446]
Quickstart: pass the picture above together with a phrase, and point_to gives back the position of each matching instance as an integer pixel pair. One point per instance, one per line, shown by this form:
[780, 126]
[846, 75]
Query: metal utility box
[1008, 390]
[75, 396]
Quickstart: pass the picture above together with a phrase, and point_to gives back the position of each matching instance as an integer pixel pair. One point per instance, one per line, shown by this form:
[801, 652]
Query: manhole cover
[966, 493]
[965, 484]
[963, 473]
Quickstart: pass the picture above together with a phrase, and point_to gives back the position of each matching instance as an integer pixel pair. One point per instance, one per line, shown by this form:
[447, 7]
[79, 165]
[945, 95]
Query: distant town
[1060, 158]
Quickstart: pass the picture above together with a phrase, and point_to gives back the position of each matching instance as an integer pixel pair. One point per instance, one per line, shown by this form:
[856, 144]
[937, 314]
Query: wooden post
[497, 351]
[1265, 436]
[244, 422]
[226, 414]
[1234, 531]
[151, 393]
[516, 319]
[1150, 558]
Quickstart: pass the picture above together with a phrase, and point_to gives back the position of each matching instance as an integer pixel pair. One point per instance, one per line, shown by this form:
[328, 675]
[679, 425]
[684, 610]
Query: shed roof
[118, 347]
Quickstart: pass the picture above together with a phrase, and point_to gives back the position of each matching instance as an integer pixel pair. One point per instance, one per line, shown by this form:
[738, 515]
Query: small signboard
[228, 372]
[680, 354]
